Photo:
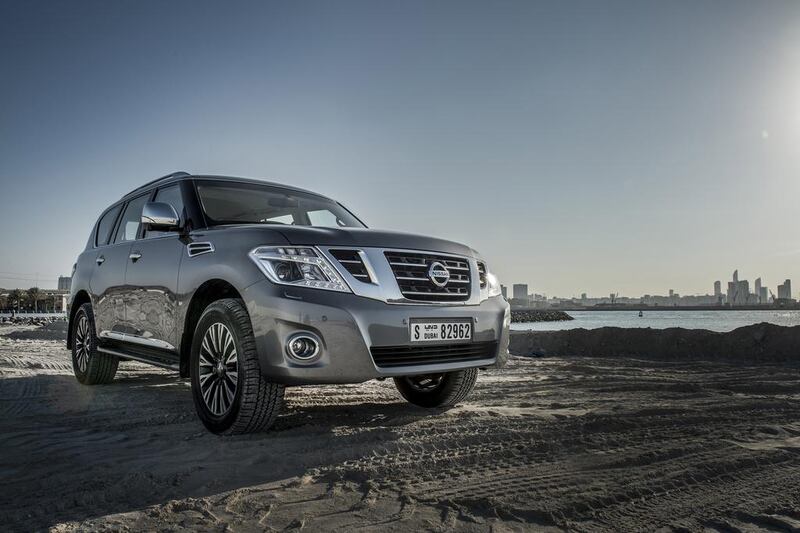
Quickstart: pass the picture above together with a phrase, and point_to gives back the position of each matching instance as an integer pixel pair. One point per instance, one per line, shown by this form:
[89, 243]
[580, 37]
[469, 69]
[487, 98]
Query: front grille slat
[411, 272]
[397, 356]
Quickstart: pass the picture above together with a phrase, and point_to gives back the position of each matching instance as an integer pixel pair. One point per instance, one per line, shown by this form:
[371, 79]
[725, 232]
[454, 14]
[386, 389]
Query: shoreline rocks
[538, 315]
[759, 343]
[23, 320]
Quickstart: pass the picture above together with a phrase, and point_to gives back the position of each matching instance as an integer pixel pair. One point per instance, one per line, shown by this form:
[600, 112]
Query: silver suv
[247, 287]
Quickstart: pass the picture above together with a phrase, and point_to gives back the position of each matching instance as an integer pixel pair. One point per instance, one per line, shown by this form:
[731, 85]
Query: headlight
[299, 267]
[493, 285]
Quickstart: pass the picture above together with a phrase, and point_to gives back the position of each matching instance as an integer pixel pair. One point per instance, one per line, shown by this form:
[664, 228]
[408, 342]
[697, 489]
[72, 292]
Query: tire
[437, 390]
[90, 366]
[222, 344]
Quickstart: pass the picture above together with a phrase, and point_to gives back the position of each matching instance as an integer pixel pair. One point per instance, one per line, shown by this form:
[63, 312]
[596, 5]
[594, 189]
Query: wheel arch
[81, 297]
[207, 293]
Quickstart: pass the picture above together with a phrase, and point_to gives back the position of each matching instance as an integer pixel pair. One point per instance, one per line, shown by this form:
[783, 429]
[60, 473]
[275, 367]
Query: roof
[181, 176]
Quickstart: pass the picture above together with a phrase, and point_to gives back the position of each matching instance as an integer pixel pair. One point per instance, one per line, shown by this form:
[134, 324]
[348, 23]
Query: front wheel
[437, 390]
[230, 393]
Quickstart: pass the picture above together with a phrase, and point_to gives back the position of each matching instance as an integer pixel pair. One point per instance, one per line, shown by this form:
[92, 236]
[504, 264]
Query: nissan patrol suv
[247, 287]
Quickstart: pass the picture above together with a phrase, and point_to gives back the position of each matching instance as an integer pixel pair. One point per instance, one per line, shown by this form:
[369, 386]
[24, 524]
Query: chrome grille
[411, 271]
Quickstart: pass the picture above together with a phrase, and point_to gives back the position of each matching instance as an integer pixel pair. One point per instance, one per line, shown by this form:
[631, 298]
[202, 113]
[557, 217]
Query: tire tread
[261, 400]
[102, 367]
[455, 389]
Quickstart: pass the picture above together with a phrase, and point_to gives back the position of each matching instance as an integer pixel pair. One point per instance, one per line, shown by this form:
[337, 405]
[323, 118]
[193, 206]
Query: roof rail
[178, 174]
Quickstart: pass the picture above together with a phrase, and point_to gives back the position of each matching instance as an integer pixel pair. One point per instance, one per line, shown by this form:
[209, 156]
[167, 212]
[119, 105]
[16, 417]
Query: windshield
[251, 203]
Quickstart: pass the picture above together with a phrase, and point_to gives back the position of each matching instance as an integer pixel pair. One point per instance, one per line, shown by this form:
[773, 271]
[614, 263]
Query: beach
[588, 444]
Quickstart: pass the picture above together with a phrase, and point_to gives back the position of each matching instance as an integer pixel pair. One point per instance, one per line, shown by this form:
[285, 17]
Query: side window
[281, 219]
[324, 218]
[105, 226]
[131, 220]
[169, 195]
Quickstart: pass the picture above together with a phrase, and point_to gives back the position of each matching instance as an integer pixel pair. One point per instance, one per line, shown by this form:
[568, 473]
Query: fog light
[302, 347]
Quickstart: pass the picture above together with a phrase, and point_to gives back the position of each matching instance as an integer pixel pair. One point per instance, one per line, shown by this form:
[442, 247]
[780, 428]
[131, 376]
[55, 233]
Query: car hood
[362, 237]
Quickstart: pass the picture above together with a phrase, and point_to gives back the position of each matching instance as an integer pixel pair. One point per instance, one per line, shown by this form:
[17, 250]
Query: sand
[588, 444]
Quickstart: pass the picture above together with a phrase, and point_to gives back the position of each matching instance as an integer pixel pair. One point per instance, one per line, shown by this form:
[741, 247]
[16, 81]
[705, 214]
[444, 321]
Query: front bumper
[349, 325]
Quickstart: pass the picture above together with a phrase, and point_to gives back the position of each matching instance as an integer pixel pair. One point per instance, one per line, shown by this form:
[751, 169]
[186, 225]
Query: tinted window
[105, 226]
[245, 203]
[169, 195]
[131, 220]
[322, 217]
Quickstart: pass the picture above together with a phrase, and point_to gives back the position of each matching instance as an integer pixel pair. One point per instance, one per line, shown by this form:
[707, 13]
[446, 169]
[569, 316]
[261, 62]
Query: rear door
[152, 275]
[108, 276]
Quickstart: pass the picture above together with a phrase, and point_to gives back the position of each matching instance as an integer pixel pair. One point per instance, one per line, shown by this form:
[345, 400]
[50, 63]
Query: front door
[151, 303]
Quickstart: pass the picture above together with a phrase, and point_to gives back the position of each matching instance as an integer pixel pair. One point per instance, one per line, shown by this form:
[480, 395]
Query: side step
[151, 357]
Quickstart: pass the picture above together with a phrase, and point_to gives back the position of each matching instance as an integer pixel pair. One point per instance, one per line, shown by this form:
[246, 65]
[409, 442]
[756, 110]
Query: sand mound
[54, 331]
[759, 343]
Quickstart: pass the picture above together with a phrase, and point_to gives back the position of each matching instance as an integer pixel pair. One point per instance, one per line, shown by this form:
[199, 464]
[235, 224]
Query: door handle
[100, 260]
[135, 256]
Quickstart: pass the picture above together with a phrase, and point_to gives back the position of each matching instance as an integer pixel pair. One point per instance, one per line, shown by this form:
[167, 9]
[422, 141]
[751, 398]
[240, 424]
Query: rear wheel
[437, 390]
[230, 393]
[90, 366]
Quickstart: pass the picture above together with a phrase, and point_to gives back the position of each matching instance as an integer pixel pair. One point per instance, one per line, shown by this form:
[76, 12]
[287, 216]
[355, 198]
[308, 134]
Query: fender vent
[199, 248]
[353, 262]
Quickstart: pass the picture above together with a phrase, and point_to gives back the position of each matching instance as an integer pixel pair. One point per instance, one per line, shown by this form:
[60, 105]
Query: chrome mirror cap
[159, 215]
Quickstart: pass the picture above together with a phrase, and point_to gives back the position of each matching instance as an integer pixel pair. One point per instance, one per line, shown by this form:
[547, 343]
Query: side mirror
[159, 216]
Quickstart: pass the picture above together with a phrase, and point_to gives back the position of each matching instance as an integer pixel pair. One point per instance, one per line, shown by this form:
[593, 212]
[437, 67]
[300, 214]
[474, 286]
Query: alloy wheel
[219, 366]
[82, 343]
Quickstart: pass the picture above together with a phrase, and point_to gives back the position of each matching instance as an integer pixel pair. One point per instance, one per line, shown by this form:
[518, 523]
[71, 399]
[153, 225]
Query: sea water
[711, 320]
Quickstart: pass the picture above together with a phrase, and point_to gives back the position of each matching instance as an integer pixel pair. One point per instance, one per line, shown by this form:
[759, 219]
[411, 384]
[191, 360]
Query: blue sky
[581, 146]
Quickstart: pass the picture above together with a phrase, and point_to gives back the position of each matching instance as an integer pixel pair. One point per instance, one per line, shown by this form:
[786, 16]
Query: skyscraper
[717, 289]
[742, 292]
[730, 295]
[763, 296]
[758, 291]
[520, 291]
[785, 290]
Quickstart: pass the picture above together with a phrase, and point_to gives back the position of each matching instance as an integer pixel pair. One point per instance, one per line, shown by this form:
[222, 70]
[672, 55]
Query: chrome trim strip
[446, 294]
[135, 339]
[411, 278]
[395, 263]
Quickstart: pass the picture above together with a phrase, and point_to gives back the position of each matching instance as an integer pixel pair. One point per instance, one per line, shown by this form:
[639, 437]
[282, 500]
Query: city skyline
[737, 292]
[577, 147]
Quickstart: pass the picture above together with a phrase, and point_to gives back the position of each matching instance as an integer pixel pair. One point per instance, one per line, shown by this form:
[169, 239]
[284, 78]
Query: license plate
[430, 331]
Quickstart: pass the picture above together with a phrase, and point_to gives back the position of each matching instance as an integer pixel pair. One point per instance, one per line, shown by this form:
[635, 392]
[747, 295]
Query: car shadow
[72, 452]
